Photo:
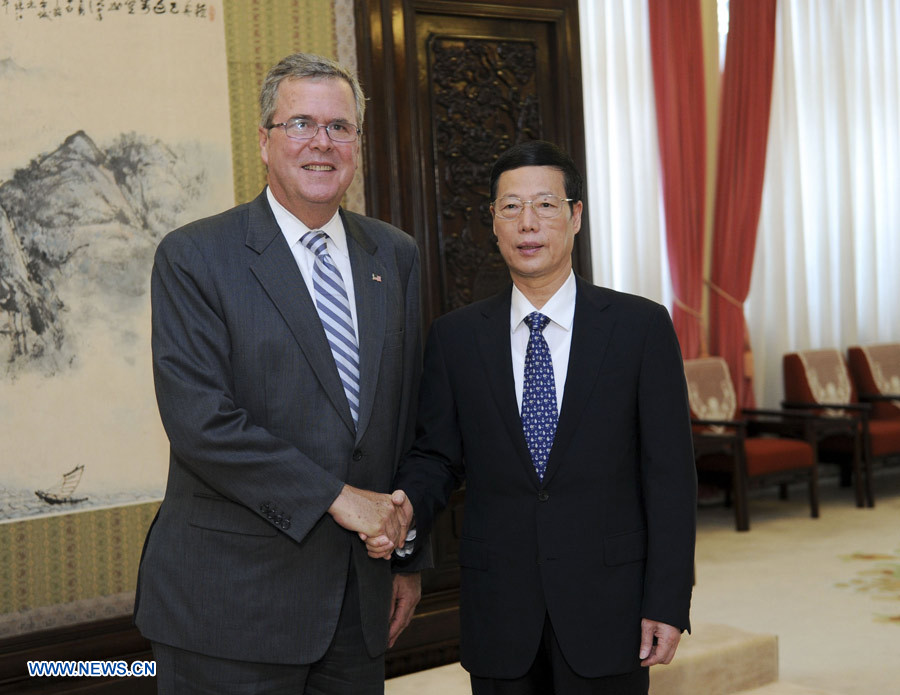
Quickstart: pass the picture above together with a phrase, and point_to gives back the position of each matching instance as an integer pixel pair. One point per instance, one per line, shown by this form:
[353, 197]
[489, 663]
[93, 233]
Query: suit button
[357, 455]
[543, 496]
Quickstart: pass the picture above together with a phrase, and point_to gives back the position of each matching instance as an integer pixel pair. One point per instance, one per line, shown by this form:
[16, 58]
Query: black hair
[539, 153]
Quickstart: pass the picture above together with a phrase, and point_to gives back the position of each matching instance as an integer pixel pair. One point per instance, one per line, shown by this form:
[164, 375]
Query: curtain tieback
[688, 310]
[722, 293]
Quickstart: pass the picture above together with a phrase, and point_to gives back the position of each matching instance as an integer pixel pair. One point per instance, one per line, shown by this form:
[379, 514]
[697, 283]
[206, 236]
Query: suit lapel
[370, 312]
[276, 270]
[591, 331]
[494, 345]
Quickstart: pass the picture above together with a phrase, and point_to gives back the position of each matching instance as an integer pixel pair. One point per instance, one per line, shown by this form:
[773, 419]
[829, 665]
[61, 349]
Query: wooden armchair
[876, 374]
[875, 370]
[763, 447]
[821, 381]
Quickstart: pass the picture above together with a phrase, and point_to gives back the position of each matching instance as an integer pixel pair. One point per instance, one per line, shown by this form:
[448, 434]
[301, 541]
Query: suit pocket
[393, 339]
[220, 514]
[473, 554]
[625, 548]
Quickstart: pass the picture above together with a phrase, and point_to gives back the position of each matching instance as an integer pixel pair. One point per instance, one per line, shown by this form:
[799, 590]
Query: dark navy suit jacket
[608, 537]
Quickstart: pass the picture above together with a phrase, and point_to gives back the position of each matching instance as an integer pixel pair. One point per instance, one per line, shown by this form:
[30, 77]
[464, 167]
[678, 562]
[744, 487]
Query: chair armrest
[855, 415]
[872, 397]
[792, 414]
[800, 424]
[708, 442]
[736, 424]
[801, 416]
[862, 408]
[793, 425]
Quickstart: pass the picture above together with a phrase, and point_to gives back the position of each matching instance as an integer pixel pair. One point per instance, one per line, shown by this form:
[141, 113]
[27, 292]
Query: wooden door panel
[453, 84]
[480, 95]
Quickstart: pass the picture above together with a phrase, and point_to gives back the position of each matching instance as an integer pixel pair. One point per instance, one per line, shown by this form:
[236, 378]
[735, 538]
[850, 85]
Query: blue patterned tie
[539, 413]
[334, 311]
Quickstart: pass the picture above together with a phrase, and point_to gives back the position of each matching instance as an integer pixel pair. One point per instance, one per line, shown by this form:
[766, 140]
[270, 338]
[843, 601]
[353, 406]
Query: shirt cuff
[408, 546]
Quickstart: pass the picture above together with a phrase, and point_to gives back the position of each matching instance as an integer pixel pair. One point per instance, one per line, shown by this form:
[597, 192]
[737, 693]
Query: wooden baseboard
[432, 639]
[112, 639]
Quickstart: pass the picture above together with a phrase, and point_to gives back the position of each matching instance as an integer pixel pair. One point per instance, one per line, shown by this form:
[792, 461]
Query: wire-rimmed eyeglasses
[307, 129]
[544, 206]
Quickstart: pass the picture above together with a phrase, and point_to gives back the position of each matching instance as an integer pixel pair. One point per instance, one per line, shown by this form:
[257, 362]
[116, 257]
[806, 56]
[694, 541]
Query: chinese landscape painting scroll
[114, 130]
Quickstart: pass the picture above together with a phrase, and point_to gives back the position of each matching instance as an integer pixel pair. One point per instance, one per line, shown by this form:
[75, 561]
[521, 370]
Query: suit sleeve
[668, 475]
[433, 468]
[209, 432]
[421, 557]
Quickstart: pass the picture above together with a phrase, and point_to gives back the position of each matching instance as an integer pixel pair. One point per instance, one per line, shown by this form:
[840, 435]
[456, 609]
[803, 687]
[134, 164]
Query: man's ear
[576, 216]
[264, 145]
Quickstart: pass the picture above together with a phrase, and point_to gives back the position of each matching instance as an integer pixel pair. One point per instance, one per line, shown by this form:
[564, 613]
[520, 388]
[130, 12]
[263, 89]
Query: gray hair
[306, 65]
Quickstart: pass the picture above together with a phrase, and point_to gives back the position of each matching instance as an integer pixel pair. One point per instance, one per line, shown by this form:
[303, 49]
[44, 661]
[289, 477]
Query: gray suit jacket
[243, 560]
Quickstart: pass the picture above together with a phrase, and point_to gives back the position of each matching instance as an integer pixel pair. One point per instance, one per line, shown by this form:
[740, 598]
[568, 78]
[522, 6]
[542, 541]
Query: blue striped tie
[539, 413]
[334, 312]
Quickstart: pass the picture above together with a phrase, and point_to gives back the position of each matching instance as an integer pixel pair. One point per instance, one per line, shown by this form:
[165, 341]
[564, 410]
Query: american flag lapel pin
[376, 278]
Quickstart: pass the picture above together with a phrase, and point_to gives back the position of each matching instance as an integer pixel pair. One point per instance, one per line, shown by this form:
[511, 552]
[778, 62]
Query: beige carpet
[829, 588]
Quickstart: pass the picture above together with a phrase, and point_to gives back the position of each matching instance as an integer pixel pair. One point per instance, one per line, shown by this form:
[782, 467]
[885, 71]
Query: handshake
[382, 521]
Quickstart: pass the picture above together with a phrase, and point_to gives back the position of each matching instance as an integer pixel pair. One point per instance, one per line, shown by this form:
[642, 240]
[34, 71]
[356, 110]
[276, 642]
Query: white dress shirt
[293, 230]
[558, 333]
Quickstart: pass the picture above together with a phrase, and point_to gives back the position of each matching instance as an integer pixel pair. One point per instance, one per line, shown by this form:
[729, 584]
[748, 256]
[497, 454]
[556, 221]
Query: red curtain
[677, 52]
[743, 133]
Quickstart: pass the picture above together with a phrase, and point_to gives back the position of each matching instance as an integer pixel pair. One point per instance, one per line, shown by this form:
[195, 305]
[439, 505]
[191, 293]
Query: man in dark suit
[563, 407]
[286, 355]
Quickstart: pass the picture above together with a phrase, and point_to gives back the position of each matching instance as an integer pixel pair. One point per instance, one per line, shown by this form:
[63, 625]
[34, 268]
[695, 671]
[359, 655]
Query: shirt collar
[293, 229]
[560, 307]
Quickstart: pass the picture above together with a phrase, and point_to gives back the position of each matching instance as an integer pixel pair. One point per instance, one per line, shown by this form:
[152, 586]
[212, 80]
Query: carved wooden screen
[451, 85]
[483, 99]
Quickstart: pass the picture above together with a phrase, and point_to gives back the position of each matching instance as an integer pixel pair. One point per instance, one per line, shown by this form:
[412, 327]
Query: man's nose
[528, 219]
[321, 139]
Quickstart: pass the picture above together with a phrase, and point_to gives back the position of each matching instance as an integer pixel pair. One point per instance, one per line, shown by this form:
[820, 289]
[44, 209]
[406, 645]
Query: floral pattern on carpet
[880, 579]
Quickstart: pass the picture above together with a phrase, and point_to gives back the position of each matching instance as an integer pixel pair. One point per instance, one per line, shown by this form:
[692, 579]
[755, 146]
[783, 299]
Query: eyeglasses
[544, 206]
[305, 129]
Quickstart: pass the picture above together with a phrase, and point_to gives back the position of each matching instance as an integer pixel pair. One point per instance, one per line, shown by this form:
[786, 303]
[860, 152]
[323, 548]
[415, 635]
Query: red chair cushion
[770, 455]
[885, 436]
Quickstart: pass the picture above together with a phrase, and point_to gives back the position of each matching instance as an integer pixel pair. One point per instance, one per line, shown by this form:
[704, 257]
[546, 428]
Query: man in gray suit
[286, 349]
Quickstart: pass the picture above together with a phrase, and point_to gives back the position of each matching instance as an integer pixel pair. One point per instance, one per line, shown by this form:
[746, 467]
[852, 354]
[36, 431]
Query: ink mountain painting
[78, 229]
